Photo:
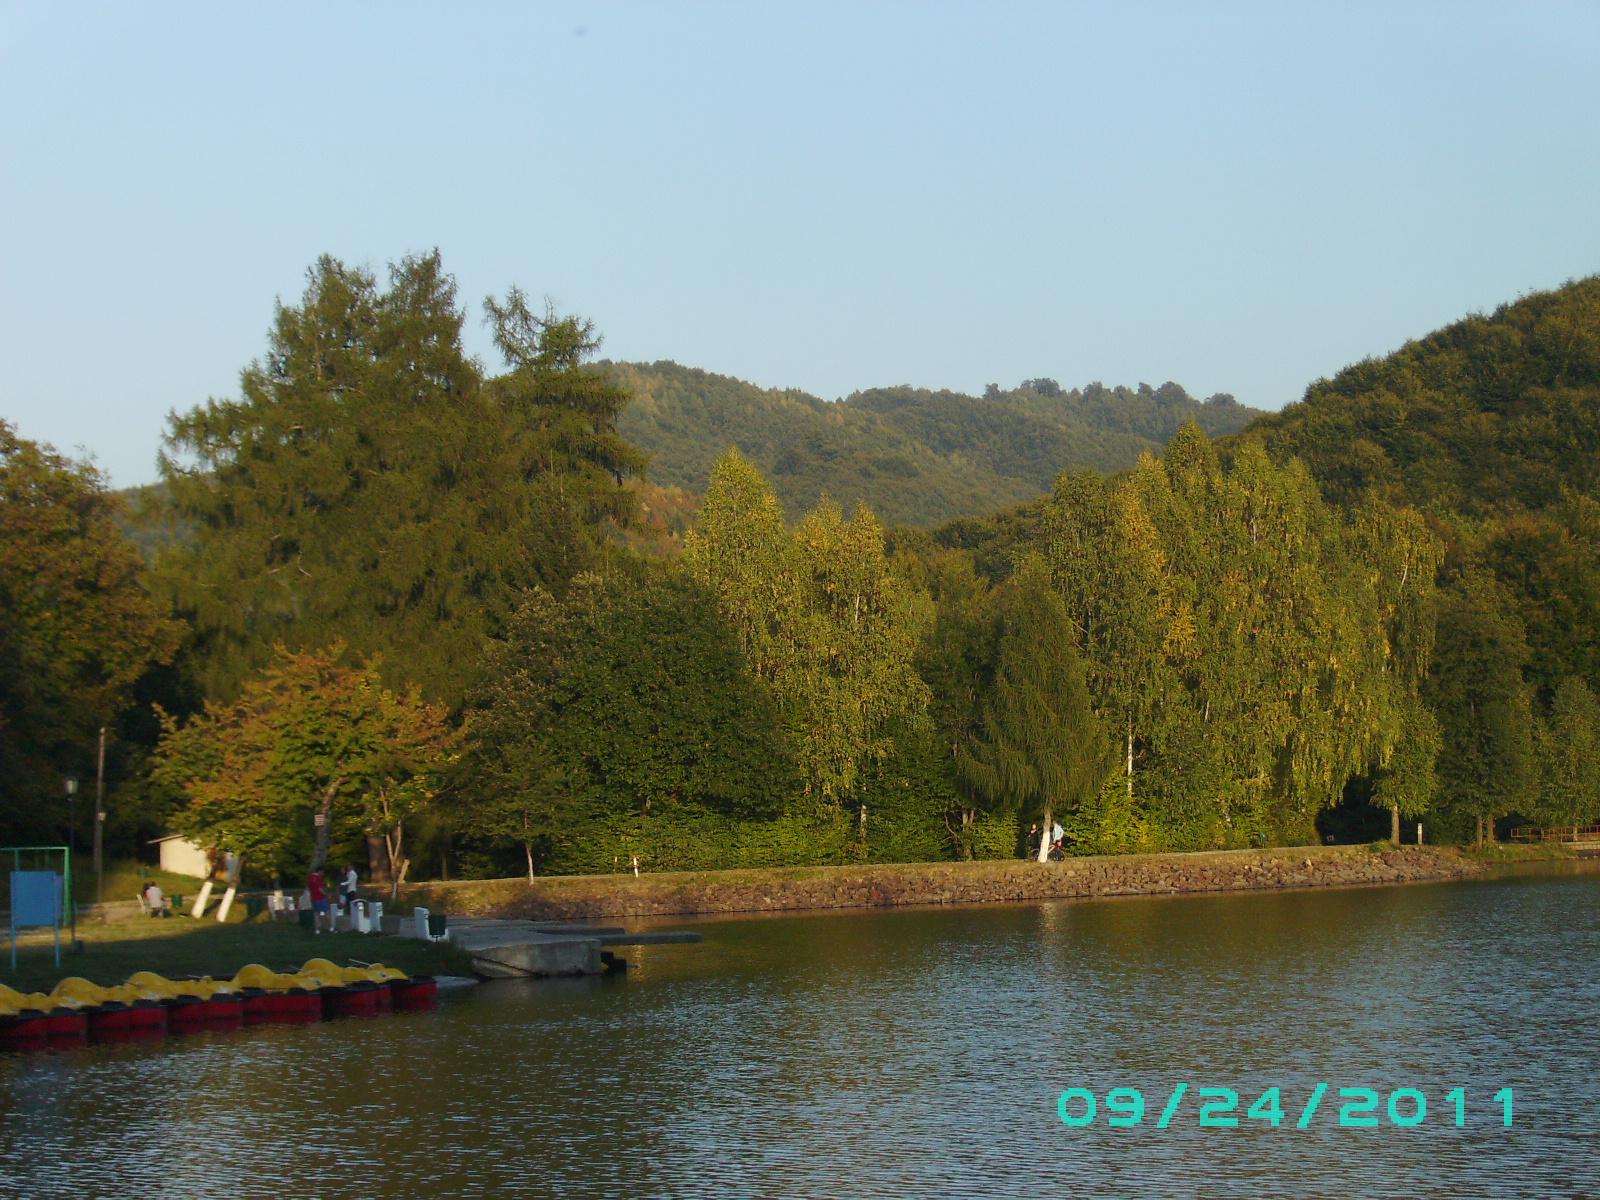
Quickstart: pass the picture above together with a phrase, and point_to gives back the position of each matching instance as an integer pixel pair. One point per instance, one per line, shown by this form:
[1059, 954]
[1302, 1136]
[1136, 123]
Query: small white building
[182, 857]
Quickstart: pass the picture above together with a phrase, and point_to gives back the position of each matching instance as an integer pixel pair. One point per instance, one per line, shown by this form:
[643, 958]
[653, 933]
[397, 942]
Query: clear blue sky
[1241, 198]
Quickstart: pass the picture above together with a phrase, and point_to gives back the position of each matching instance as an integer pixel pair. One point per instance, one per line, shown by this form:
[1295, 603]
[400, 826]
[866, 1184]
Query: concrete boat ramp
[533, 949]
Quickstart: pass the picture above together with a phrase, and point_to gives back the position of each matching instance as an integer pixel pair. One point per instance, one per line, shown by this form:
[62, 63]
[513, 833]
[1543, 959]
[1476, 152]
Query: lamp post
[72, 809]
[72, 836]
[100, 819]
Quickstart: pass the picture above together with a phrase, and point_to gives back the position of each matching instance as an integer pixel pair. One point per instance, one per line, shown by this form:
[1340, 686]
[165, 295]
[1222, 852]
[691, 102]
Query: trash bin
[307, 919]
[254, 906]
[436, 924]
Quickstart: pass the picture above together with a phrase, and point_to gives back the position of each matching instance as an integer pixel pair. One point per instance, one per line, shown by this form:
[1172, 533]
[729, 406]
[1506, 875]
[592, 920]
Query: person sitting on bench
[156, 901]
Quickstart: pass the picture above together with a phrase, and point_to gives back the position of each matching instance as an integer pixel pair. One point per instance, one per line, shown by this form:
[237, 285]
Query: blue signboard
[35, 900]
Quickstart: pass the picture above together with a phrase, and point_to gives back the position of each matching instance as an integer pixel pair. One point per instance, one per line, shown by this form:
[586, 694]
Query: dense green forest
[917, 457]
[389, 603]
[1491, 429]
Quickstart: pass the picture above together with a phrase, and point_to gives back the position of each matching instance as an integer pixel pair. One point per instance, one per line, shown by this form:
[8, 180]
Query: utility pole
[100, 819]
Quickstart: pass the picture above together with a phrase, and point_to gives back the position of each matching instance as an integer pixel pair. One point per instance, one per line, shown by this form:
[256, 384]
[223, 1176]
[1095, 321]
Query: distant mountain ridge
[917, 457]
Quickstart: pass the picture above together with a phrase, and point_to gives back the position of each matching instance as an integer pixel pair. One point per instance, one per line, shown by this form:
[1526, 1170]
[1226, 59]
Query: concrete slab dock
[535, 949]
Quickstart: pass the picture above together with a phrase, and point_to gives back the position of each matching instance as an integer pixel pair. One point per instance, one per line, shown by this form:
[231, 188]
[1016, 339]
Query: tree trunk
[1394, 824]
[528, 850]
[378, 868]
[1044, 836]
[394, 843]
[1479, 840]
[1130, 759]
[319, 856]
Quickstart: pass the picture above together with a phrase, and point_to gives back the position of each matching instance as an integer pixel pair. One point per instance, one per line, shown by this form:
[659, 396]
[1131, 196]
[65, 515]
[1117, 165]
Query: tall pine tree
[1041, 749]
[369, 485]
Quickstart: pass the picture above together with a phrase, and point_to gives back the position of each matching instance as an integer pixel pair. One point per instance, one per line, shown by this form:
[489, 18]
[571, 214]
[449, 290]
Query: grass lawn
[114, 950]
[125, 880]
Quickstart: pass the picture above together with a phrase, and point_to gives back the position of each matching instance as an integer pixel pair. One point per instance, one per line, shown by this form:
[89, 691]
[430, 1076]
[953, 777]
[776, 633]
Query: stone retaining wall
[587, 897]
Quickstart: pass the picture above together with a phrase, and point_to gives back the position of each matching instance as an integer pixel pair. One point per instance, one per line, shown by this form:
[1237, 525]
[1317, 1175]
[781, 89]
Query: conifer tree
[1486, 767]
[1041, 748]
[957, 662]
[560, 413]
[367, 484]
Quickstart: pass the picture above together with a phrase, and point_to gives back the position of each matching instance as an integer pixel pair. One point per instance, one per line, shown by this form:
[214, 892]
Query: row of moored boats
[77, 1011]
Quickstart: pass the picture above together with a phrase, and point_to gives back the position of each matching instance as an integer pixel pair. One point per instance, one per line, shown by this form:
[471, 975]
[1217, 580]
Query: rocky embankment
[587, 897]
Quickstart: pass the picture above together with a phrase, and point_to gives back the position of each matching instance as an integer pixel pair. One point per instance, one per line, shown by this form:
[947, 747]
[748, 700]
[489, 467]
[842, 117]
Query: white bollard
[375, 908]
[421, 916]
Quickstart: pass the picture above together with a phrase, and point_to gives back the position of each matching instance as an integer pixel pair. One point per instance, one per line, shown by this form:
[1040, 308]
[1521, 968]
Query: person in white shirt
[157, 900]
[348, 883]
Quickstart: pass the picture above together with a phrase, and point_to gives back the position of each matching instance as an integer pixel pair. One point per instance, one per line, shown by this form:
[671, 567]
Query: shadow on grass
[183, 946]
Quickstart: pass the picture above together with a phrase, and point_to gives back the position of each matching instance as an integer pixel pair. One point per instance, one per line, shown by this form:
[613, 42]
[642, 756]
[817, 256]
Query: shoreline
[896, 885]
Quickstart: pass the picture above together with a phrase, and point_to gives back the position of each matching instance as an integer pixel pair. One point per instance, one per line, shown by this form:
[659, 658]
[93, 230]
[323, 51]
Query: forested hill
[918, 457]
[1490, 415]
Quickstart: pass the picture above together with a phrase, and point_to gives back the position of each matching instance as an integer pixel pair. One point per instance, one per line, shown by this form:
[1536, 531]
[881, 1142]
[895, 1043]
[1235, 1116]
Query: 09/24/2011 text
[1218, 1107]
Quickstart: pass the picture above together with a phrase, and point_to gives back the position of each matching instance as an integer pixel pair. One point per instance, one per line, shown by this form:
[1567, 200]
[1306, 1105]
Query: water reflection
[896, 1054]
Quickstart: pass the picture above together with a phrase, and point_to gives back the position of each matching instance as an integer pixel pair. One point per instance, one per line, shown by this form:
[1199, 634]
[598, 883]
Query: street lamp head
[72, 785]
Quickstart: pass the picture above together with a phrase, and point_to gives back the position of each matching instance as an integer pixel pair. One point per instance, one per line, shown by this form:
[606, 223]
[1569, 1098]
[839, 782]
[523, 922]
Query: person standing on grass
[348, 884]
[319, 902]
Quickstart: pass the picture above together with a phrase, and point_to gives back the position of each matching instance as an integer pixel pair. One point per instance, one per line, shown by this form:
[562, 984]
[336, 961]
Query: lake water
[901, 1053]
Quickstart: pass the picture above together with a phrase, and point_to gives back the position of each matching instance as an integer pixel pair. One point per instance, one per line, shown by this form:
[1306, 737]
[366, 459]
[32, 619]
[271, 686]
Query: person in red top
[319, 902]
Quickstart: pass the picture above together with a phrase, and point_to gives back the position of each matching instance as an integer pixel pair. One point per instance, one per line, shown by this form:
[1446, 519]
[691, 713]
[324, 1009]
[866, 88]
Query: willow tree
[822, 618]
[1569, 755]
[1400, 557]
[1040, 748]
[1254, 648]
[1130, 619]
